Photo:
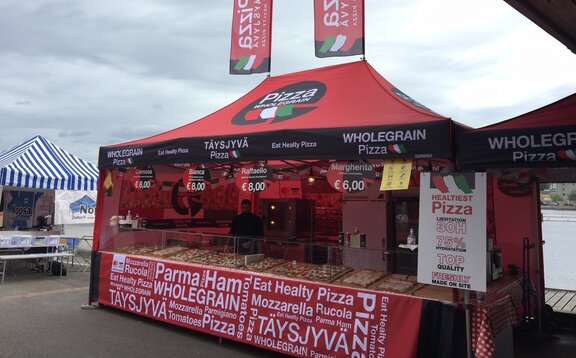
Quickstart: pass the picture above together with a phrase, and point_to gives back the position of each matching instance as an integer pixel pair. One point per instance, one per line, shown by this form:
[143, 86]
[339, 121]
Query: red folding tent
[346, 111]
[545, 138]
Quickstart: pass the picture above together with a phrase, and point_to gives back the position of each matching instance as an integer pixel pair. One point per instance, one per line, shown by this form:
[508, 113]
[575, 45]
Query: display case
[287, 218]
[327, 224]
[195, 280]
[286, 258]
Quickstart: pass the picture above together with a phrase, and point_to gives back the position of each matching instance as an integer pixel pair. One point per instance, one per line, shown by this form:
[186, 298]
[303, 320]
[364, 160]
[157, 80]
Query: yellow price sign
[396, 174]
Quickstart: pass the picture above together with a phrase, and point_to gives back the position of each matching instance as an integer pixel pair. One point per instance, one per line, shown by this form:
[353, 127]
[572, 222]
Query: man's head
[246, 206]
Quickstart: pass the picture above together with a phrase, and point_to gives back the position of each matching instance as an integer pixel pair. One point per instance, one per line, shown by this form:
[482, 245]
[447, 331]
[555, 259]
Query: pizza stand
[518, 154]
[309, 149]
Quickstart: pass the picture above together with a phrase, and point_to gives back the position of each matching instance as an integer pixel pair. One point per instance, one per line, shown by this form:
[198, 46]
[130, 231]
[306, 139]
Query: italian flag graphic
[452, 184]
[245, 63]
[568, 154]
[235, 154]
[272, 112]
[333, 43]
[462, 184]
[396, 148]
[439, 184]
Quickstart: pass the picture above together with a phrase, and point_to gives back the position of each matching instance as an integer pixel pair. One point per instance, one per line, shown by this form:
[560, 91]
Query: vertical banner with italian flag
[452, 227]
[251, 37]
[338, 27]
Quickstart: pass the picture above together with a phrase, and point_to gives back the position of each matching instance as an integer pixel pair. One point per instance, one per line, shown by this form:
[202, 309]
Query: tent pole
[537, 253]
[363, 30]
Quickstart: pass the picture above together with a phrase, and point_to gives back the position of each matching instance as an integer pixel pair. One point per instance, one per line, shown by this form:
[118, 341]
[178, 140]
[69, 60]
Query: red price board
[254, 178]
[197, 179]
[351, 177]
[144, 178]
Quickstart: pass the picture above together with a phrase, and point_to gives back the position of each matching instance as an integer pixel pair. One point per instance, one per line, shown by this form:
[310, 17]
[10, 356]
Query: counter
[292, 316]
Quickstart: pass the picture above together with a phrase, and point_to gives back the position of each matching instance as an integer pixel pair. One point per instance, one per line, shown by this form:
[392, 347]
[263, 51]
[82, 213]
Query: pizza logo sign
[282, 104]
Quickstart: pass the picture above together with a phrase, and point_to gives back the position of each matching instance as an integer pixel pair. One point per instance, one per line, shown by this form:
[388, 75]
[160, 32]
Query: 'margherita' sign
[452, 227]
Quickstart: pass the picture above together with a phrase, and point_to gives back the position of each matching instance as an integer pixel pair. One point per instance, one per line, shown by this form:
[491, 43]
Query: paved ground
[557, 341]
[41, 316]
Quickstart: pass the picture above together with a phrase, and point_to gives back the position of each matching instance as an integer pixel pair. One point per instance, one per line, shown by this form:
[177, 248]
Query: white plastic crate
[15, 241]
[52, 240]
[25, 240]
[5, 241]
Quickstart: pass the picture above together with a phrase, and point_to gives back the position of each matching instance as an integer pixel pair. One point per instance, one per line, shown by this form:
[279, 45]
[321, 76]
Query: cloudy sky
[87, 73]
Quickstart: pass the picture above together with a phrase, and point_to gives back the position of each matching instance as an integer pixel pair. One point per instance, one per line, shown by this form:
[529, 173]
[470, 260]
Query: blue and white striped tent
[38, 163]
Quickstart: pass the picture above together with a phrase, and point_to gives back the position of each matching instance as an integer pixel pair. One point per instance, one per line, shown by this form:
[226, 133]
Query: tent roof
[559, 113]
[346, 111]
[38, 163]
[543, 138]
[356, 96]
[554, 17]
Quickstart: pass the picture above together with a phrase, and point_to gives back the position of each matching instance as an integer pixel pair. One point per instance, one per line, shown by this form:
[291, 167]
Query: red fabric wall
[514, 221]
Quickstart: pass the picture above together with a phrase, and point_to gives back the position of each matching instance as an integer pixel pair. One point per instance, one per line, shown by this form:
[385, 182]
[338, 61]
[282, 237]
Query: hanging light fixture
[310, 180]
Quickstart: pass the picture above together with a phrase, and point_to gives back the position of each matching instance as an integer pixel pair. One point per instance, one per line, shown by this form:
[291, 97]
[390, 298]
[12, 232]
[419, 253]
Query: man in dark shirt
[42, 223]
[40, 264]
[246, 224]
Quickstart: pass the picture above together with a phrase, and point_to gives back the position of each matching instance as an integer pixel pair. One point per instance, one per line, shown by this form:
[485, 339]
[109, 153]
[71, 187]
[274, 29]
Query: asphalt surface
[41, 316]
[557, 340]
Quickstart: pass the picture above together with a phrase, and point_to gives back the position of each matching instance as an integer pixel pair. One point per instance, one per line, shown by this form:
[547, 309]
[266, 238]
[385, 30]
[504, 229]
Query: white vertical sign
[452, 227]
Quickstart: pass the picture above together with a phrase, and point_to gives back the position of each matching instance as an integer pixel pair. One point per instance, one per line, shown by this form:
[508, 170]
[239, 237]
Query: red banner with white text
[295, 317]
[251, 37]
[338, 27]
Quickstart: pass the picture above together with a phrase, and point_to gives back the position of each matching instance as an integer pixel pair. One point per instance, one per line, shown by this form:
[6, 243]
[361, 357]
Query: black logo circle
[282, 104]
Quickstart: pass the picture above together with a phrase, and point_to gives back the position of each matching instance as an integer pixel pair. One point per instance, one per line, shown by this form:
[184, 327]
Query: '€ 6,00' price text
[350, 185]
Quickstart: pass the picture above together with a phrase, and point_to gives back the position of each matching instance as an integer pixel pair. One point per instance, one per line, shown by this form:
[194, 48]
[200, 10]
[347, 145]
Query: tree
[544, 186]
[556, 197]
[572, 196]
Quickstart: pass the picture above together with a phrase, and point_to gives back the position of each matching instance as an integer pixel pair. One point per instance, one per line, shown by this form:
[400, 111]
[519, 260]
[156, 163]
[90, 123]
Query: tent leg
[468, 308]
[537, 253]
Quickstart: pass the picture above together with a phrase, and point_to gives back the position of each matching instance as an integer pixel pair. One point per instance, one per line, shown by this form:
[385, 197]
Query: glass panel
[403, 244]
[296, 258]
